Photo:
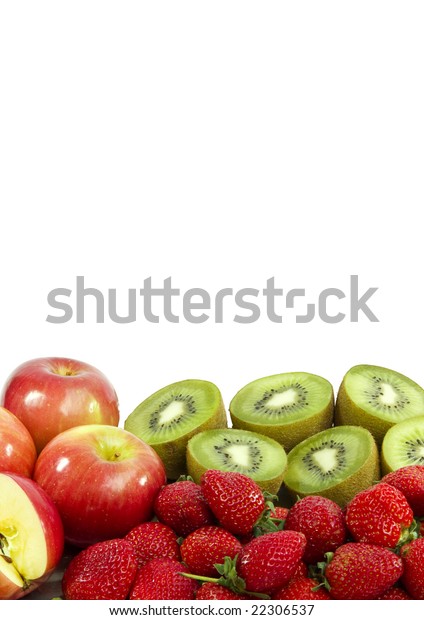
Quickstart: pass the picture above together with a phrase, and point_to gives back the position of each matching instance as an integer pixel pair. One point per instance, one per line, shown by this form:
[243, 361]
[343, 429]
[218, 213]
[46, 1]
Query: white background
[220, 143]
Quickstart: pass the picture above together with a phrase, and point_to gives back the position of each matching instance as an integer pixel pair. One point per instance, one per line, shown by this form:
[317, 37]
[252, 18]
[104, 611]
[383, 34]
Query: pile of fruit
[349, 473]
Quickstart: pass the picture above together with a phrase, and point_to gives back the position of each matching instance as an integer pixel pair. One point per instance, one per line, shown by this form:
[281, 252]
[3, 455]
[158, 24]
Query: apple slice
[31, 536]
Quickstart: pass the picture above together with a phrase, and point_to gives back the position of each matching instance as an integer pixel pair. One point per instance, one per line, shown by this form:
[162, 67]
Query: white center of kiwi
[326, 459]
[172, 411]
[240, 454]
[280, 399]
[388, 395]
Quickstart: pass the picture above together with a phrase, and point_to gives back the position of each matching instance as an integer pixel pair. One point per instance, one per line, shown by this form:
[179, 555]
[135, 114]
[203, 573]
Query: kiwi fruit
[231, 449]
[336, 463]
[287, 407]
[377, 398]
[403, 445]
[168, 418]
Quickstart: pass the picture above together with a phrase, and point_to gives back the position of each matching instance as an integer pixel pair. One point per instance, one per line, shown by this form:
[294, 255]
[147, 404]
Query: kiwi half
[168, 418]
[252, 454]
[403, 445]
[336, 463]
[288, 407]
[377, 398]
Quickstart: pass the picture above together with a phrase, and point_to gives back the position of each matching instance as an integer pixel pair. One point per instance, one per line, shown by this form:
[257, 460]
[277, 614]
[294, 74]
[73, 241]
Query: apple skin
[51, 394]
[103, 480]
[17, 448]
[52, 534]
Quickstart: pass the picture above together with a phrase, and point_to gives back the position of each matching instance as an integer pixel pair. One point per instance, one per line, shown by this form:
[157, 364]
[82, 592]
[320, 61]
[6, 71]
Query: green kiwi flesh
[168, 418]
[336, 463]
[403, 445]
[252, 454]
[377, 398]
[288, 407]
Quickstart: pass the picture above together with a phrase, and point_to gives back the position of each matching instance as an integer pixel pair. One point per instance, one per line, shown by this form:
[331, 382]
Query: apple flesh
[103, 480]
[51, 394]
[17, 448]
[31, 536]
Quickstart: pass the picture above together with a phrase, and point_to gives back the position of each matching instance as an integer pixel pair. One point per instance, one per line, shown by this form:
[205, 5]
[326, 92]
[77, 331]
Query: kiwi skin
[344, 491]
[196, 470]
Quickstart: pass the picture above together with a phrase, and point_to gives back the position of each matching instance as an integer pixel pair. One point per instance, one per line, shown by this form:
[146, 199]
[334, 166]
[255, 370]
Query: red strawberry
[322, 522]
[301, 570]
[153, 540]
[412, 555]
[216, 592]
[302, 589]
[207, 546]
[379, 515]
[235, 499]
[280, 512]
[104, 571]
[395, 593]
[182, 506]
[409, 480]
[160, 580]
[270, 561]
[358, 571]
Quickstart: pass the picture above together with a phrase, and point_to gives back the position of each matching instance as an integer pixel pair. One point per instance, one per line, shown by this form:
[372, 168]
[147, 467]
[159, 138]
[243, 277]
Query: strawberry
[182, 506]
[322, 522]
[395, 593]
[160, 579]
[207, 546]
[409, 480]
[412, 555]
[302, 589]
[103, 571]
[216, 592]
[280, 512]
[359, 571]
[379, 515]
[270, 561]
[235, 499]
[153, 540]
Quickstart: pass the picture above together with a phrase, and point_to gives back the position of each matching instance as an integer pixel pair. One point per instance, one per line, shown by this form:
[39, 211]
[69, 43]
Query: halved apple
[31, 536]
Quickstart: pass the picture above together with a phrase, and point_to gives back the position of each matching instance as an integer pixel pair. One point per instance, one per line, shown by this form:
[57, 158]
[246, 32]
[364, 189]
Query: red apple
[31, 536]
[51, 394]
[103, 480]
[17, 449]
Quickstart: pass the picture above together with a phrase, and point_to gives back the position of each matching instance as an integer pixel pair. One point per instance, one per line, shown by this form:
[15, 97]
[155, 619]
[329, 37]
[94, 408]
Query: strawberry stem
[228, 578]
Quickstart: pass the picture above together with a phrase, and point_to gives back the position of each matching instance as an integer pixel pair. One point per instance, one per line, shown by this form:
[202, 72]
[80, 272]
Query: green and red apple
[31, 536]
[103, 480]
[51, 394]
[17, 448]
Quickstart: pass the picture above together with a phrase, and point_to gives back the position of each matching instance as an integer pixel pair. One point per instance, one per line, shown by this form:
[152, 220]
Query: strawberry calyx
[228, 578]
[408, 535]
[266, 522]
[318, 572]
[184, 478]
